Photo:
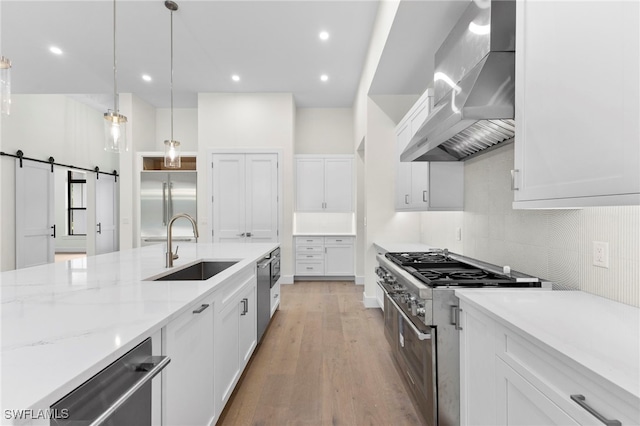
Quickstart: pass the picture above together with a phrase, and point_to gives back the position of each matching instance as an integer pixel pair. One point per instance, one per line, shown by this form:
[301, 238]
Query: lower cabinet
[188, 380]
[275, 297]
[325, 256]
[506, 378]
[235, 333]
[209, 345]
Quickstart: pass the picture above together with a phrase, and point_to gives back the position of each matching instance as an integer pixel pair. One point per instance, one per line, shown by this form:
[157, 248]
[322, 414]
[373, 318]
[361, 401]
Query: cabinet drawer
[558, 378]
[338, 240]
[309, 241]
[309, 249]
[309, 268]
[310, 256]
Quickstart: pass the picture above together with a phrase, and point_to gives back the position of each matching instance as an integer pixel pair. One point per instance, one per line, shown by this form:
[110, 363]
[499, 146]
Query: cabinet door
[338, 185]
[446, 186]
[420, 185]
[229, 201]
[309, 184]
[520, 403]
[275, 297]
[248, 324]
[262, 197]
[577, 143]
[338, 260]
[188, 379]
[227, 360]
[403, 170]
[477, 368]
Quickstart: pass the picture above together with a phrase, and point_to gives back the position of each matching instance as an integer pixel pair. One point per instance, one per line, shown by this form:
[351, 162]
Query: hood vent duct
[474, 85]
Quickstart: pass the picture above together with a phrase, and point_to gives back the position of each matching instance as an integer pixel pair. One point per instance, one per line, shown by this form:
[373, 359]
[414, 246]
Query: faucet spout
[170, 255]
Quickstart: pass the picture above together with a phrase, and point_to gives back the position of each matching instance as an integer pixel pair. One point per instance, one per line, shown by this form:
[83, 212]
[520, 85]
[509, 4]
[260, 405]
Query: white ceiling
[272, 45]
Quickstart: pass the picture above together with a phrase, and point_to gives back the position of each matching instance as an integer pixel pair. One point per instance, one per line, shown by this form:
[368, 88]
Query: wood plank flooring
[323, 360]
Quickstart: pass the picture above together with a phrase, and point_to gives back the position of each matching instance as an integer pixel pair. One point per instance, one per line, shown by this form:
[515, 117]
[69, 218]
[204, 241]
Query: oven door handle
[421, 335]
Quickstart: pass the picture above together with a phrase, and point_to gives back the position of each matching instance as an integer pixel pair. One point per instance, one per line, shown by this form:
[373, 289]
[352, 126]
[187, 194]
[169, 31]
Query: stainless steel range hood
[474, 87]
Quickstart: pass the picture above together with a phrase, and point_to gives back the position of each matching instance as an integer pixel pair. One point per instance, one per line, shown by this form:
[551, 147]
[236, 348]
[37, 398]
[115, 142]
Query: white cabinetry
[509, 378]
[245, 197]
[324, 184]
[188, 380]
[421, 185]
[275, 297]
[325, 256]
[235, 332]
[576, 144]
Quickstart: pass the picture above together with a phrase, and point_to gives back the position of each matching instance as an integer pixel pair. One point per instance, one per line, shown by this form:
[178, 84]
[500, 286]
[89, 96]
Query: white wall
[324, 131]
[43, 126]
[553, 244]
[247, 121]
[185, 128]
[383, 222]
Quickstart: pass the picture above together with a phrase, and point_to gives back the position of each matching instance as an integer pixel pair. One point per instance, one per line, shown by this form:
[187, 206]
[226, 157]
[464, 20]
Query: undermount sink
[200, 271]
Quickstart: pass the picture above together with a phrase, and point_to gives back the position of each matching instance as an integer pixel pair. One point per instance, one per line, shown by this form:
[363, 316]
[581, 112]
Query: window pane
[78, 222]
[78, 195]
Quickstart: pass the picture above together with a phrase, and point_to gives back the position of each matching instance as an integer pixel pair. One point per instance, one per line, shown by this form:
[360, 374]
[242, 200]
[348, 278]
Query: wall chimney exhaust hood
[474, 85]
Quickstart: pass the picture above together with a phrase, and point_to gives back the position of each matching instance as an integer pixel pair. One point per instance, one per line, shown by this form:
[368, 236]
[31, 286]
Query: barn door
[35, 221]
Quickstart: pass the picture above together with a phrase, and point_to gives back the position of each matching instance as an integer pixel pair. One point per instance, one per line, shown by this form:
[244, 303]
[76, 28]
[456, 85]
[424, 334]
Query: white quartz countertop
[388, 247]
[64, 322]
[600, 334]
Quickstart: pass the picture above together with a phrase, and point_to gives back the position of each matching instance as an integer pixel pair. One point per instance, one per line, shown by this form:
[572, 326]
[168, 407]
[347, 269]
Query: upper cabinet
[577, 104]
[422, 186]
[324, 183]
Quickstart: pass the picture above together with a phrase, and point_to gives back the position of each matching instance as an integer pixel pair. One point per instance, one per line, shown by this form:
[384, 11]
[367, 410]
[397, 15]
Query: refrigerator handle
[170, 185]
[164, 203]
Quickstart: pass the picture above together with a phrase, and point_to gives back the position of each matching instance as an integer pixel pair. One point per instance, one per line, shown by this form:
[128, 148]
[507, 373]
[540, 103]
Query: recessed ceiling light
[323, 35]
[235, 77]
[146, 77]
[324, 77]
[56, 50]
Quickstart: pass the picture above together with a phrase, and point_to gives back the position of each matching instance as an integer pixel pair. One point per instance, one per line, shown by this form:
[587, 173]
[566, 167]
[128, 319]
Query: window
[77, 202]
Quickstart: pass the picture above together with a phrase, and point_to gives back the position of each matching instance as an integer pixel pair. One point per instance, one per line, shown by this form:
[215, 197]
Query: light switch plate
[601, 254]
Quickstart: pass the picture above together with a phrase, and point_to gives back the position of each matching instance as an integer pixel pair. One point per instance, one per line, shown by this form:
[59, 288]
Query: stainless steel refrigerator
[163, 194]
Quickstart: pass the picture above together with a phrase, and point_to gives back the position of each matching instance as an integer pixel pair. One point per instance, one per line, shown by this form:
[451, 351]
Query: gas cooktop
[437, 269]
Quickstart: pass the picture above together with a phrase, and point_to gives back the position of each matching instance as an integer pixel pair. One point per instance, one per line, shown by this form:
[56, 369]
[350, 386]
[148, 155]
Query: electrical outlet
[458, 234]
[601, 254]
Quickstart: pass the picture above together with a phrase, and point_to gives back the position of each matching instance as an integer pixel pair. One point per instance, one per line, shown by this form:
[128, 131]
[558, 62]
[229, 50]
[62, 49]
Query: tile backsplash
[553, 244]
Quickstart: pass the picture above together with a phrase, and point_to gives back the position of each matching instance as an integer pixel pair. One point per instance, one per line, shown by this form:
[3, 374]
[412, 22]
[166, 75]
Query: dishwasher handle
[153, 365]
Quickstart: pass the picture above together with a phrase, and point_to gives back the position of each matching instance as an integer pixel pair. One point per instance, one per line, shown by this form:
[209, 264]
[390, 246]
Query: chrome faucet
[170, 255]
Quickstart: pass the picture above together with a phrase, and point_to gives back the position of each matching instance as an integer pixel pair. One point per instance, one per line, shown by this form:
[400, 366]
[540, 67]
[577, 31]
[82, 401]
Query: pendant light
[115, 124]
[171, 146]
[5, 84]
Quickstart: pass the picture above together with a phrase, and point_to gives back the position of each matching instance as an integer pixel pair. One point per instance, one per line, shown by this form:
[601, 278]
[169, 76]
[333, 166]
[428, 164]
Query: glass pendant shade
[115, 132]
[5, 85]
[172, 154]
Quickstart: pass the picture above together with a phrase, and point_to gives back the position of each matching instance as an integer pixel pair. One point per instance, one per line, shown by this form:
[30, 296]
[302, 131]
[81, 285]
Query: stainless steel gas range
[422, 321]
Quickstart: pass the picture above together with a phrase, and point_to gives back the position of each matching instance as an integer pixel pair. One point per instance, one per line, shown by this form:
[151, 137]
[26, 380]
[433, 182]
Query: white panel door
[106, 214]
[228, 198]
[35, 221]
[262, 197]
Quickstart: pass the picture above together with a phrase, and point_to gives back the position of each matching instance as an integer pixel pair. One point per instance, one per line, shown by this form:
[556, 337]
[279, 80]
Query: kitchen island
[62, 323]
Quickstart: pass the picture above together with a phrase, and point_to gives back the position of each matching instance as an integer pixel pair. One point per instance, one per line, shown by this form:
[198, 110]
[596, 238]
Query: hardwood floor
[323, 360]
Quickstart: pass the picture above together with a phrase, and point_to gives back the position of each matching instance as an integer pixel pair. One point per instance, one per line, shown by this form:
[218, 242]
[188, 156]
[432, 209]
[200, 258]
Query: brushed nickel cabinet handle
[406, 199]
[424, 196]
[513, 180]
[201, 308]
[581, 401]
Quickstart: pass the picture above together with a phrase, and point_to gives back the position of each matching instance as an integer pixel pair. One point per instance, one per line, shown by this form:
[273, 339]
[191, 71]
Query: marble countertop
[63, 322]
[600, 334]
[385, 247]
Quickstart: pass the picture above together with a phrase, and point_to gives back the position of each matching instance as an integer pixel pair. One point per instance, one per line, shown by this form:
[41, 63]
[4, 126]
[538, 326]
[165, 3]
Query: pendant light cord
[115, 80]
[171, 84]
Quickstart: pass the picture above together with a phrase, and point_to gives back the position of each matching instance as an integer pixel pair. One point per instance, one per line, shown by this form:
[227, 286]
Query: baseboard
[370, 302]
[323, 278]
[286, 279]
[359, 279]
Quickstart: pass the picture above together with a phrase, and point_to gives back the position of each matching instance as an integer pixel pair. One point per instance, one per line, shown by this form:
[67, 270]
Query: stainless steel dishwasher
[118, 395]
[268, 274]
